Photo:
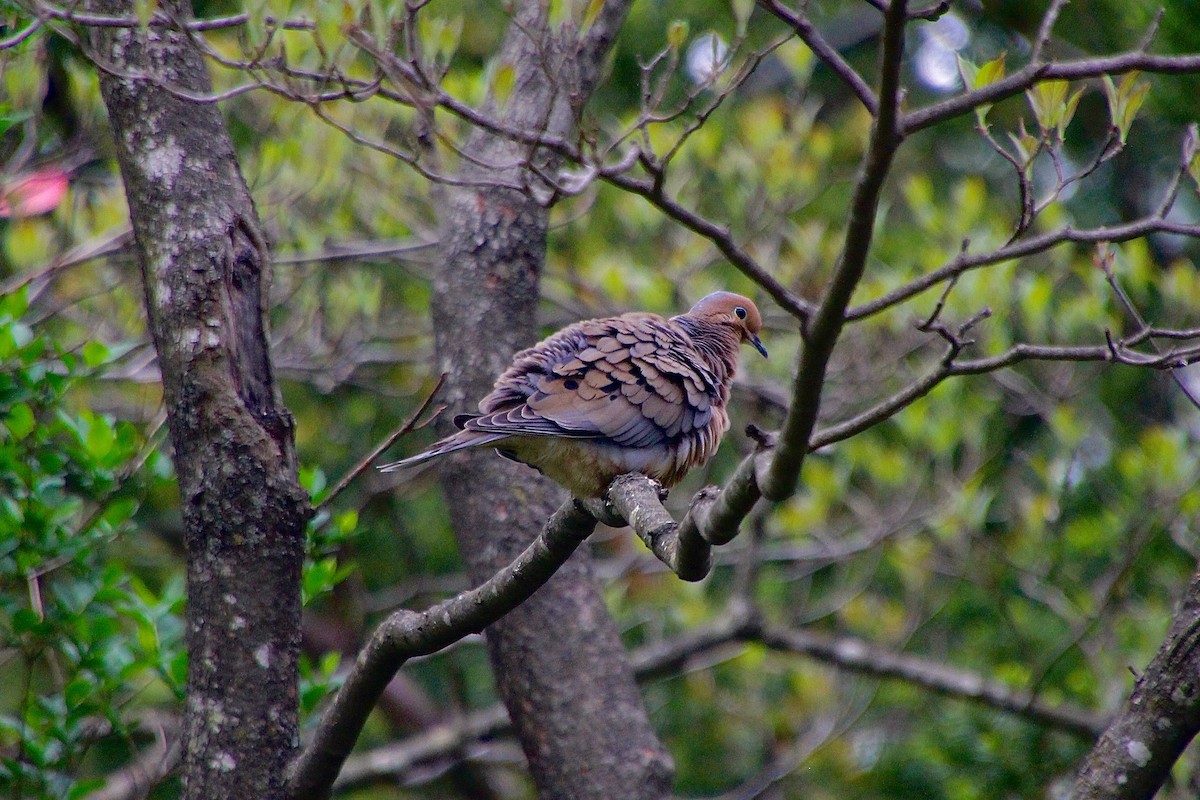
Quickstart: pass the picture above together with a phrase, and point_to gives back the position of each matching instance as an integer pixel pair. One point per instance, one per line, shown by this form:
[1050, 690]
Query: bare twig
[136, 779]
[103, 245]
[965, 262]
[861, 656]
[826, 325]
[413, 423]
[809, 34]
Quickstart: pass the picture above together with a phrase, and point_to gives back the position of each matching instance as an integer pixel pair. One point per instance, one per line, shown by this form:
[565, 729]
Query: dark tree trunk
[561, 668]
[206, 271]
[1135, 754]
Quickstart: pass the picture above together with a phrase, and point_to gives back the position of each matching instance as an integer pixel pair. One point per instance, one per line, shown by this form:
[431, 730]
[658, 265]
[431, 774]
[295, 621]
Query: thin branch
[358, 250]
[413, 423]
[21, 35]
[160, 18]
[719, 235]
[1033, 73]
[406, 634]
[781, 478]
[809, 34]
[1104, 260]
[106, 244]
[1046, 29]
[136, 779]
[858, 655]
[965, 262]
[395, 759]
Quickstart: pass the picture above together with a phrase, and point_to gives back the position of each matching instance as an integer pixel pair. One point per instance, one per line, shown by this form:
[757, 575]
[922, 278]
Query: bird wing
[633, 380]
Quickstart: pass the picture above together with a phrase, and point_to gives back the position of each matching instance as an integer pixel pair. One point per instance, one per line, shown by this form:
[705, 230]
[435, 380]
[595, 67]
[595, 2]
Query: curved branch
[636, 499]
[406, 634]
[738, 626]
[718, 234]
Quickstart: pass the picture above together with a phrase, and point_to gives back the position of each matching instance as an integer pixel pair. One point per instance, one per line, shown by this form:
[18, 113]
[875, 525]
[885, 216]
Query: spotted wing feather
[632, 381]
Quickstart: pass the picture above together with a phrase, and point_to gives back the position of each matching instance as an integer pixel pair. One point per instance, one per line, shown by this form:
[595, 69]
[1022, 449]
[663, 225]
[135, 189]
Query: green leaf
[26, 620]
[1124, 101]
[974, 77]
[967, 70]
[990, 72]
[20, 421]
[1051, 106]
[100, 438]
[314, 481]
[1026, 144]
[346, 522]
[677, 33]
[1068, 113]
[95, 353]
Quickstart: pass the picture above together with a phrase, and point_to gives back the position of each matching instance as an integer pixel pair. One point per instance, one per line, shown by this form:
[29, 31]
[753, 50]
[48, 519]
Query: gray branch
[406, 634]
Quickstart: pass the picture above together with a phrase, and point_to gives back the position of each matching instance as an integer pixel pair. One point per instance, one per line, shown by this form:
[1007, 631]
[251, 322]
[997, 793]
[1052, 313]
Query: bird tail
[459, 441]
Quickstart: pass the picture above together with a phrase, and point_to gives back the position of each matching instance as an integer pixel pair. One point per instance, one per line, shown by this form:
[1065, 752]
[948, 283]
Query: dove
[603, 397]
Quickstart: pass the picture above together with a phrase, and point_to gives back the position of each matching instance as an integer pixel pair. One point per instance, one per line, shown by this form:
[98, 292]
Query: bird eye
[740, 312]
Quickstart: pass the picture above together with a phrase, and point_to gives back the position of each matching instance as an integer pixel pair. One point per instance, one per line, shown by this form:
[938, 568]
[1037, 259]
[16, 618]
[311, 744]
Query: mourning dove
[602, 397]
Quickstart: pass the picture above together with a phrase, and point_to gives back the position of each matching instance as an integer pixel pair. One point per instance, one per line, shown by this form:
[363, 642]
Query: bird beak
[758, 345]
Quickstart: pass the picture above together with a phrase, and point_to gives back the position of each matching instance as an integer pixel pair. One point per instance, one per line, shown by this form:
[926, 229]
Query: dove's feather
[635, 393]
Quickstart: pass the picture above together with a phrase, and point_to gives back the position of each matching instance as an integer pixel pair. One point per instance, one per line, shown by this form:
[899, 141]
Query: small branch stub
[636, 499]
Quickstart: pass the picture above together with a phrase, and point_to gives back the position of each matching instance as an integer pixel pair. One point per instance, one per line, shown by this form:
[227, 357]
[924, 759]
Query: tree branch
[741, 625]
[809, 34]
[718, 234]
[636, 499]
[858, 655]
[1136, 752]
[1033, 73]
[784, 472]
[406, 634]
[965, 262]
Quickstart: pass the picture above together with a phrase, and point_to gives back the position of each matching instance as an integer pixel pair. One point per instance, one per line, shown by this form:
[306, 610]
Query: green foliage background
[1034, 525]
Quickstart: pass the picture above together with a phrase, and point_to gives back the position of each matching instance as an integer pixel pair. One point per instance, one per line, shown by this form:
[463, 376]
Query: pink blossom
[33, 193]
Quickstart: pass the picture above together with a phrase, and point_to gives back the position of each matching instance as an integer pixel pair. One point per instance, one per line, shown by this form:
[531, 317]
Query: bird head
[734, 310]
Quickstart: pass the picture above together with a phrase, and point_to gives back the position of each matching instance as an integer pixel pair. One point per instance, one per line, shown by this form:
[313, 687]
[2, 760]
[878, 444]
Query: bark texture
[1134, 756]
[206, 271]
[560, 665]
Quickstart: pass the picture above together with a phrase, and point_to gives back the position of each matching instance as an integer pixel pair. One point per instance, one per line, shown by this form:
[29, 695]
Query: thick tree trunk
[206, 271]
[561, 668]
